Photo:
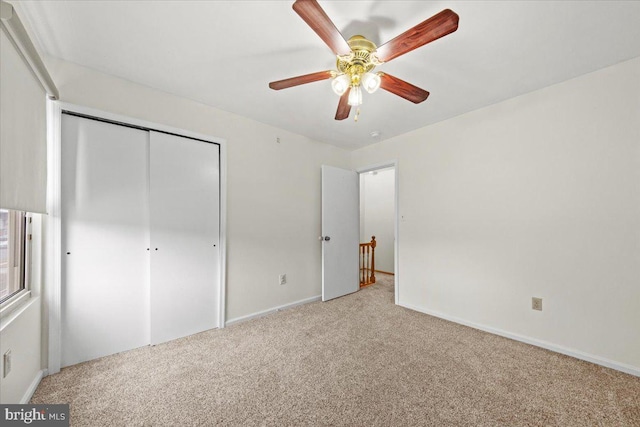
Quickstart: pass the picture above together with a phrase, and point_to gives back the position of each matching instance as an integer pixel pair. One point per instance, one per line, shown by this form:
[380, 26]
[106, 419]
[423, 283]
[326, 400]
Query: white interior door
[340, 231]
[185, 230]
[105, 264]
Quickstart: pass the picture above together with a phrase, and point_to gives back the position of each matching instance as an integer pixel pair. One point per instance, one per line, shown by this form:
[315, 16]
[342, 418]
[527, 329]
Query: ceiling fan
[357, 57]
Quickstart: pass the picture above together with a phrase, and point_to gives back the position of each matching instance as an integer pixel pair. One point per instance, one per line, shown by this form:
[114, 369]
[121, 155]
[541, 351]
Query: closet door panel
[184, 201]
[105, 262]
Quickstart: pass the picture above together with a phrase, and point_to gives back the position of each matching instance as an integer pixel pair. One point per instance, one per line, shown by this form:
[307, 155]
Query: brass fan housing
[361, 59]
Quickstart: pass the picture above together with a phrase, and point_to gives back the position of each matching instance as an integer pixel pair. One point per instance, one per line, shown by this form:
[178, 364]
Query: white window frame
[20, 297]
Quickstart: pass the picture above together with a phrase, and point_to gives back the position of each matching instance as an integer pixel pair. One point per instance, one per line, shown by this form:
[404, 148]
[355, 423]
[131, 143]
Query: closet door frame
[53, 248]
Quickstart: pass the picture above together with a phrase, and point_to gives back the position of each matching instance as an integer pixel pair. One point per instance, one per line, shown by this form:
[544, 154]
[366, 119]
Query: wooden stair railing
[367, 262]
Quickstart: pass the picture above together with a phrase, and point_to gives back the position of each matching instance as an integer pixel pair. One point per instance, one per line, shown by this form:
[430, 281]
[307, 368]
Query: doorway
[377, 223]
[340, 235]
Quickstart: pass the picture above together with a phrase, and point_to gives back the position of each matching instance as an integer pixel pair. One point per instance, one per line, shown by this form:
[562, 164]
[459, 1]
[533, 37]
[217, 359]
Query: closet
[140, 237]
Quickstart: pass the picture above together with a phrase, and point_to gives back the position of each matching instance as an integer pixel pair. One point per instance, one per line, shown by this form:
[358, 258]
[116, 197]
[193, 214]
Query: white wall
[20, 333]
[273, 206]
[535, 196]
[377, 211]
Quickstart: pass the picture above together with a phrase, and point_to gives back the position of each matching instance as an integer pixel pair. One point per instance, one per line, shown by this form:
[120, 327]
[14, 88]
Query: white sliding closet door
[184, 201]
[105, 226]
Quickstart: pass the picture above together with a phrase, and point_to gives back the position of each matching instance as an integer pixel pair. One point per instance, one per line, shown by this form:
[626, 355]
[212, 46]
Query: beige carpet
[355, 361]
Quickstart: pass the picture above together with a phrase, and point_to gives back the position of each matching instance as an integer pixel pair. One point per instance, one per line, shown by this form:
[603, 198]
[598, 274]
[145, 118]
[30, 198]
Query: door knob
[327, 238]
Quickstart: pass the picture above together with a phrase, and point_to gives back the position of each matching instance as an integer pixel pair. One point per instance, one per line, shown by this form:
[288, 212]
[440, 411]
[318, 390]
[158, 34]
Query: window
[13, 253]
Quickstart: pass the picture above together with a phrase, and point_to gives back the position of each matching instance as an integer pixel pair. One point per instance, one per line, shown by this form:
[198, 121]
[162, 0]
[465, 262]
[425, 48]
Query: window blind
[23, 126]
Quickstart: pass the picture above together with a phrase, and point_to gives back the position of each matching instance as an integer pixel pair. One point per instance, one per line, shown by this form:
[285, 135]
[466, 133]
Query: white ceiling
[224, 54]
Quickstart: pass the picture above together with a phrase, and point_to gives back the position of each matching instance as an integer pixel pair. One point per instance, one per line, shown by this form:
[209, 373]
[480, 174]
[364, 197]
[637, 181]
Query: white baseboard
[32, 388]
[538, 343]
[271, 310]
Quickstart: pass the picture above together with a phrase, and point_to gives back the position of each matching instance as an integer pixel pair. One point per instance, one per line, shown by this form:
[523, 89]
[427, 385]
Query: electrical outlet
[283, 279]
[536, 303]
[6, 362]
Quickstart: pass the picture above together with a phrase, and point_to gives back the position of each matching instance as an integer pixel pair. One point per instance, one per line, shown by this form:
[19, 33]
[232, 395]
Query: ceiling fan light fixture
[371, 82]
[357, 57]
[355, 96]
[340, 84]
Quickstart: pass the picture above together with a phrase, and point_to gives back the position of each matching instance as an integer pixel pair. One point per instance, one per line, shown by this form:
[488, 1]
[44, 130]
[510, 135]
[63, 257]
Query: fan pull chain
[357, 115]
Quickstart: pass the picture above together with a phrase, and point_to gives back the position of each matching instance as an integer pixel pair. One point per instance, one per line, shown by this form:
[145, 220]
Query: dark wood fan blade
[343, 106]
[311, 12]
[437, 26]
[402, 89]
[300, 80]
